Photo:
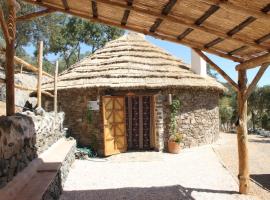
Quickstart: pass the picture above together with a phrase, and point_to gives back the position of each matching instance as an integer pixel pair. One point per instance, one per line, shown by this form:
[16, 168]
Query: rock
[39, 111]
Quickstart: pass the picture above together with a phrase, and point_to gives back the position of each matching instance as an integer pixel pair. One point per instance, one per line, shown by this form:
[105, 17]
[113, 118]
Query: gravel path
[193, 174]
[259, 152]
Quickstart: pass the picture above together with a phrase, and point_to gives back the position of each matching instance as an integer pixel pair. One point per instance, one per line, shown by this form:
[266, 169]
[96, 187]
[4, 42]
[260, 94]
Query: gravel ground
[259, 152]
[195, 173]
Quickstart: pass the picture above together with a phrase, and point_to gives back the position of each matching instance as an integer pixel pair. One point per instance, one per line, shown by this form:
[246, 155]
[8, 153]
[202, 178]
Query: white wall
[198, 65]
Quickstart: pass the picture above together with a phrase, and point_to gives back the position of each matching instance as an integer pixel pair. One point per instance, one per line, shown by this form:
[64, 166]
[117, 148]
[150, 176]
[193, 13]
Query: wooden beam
[126, 13]
[165, 11]
[207, 14]
[55, 86]
[184, 20]
[217, 68]
[256, 79]
[263, 38]
[29, 66]
[252, 63]
[233, 8]
[65, 4]
[40, 63]
[31, 16]
[242, 134]
[266, 9]
[10, 53]
[237, 50]
[241, 26]
[159, 34]
[213, 42]
[94, 9]
[4, 26]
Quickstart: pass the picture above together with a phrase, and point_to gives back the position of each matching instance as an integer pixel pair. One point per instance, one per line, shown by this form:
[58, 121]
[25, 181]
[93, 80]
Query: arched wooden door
[114, 125]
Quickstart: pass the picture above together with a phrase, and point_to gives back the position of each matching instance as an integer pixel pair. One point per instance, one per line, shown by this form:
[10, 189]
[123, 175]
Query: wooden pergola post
[55, 87]
[10, 53]
[242, 133]
[40, 59]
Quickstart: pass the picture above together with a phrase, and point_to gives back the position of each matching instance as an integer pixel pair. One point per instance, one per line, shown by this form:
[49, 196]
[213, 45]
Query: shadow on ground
[262, 180]
[175, 192]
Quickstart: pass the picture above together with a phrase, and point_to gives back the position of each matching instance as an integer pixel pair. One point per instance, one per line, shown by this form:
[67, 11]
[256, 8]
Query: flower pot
[173, 147]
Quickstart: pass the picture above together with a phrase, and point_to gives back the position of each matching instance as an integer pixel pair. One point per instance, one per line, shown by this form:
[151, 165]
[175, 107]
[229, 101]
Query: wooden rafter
[237, 50]
[188, 22]
[263, 38]
[4, 26]
[126, 13]
[176, 19]
[213, 42]
[241, 26]
[165, 11]
[266, 9]
[207, 14]
[94, 9]
[217, 68]
[159, 34]
[33, 15]
[65, 4]
[252, 63]
[256, 79]
[199, 21]
[228, 5]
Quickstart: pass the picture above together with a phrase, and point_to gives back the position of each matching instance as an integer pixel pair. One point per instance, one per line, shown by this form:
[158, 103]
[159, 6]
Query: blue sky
[183, 53]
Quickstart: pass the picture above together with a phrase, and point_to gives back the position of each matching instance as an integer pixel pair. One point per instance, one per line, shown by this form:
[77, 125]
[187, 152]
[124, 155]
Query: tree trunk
[242, 133]
[10, 53]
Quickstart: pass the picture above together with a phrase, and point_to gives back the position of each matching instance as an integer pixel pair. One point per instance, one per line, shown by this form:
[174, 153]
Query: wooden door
[114, 125]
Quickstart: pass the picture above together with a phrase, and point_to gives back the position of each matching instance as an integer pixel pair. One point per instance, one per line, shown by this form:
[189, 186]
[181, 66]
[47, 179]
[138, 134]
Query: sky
[184, 53]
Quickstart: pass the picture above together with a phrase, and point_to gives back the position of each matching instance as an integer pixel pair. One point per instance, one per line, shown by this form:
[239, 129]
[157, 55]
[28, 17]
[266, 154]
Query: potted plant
[174, 143]
[175, 137]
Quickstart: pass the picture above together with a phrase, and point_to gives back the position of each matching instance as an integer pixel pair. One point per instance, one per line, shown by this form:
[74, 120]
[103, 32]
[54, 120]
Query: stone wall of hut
[197, 120]
[82, 124]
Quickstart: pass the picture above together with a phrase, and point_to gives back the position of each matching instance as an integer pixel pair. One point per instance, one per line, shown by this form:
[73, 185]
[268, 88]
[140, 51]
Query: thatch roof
[238, 30]
[131, 62]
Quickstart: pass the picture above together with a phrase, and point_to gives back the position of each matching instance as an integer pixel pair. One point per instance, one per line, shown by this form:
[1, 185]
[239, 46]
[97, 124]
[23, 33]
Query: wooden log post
[242, 133]
[40, 59]
[55, 87]
[10, 53]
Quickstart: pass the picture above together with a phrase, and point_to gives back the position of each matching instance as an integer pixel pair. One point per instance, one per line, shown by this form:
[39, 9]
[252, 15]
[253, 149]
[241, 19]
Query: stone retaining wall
[56, 187]
[22, 138]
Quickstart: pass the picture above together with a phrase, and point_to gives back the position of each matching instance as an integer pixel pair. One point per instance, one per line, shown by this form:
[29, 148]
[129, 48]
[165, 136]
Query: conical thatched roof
[131, 62]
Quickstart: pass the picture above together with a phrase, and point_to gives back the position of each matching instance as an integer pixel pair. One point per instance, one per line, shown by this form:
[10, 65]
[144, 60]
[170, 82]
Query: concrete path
[193, 174]
[259, 152]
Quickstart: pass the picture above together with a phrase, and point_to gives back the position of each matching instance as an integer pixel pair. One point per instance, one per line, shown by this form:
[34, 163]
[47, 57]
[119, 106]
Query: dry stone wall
[197, 119]
[23, 137]
[82, 124]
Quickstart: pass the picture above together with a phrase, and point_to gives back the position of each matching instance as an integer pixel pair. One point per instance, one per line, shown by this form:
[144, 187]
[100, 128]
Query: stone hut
[119, 98]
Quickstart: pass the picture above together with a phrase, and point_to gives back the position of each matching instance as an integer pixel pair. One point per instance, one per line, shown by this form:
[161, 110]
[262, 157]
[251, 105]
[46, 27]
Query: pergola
[238, 30]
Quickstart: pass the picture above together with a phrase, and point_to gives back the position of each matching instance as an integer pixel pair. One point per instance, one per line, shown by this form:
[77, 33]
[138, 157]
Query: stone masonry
[198, 117]
[23, 137]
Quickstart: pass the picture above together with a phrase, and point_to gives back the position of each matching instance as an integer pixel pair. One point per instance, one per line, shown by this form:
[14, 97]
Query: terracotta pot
[173, 147]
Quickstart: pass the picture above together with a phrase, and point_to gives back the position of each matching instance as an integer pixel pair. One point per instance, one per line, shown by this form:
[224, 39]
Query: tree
[69, 36]
[210, 71]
